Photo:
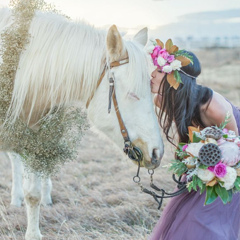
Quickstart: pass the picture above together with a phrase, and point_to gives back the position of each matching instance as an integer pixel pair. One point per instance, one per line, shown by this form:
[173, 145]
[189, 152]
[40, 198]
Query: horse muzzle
[138, 153]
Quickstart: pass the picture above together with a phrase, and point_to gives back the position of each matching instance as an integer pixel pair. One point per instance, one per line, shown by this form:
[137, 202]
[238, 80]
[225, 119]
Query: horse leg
[17, 171]
[32, 197]
[46, 191]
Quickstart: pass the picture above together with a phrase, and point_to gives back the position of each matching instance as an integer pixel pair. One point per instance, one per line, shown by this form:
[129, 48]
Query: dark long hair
[182, 106]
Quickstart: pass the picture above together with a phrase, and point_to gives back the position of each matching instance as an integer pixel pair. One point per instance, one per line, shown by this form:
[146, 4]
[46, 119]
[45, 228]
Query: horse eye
[133, 96]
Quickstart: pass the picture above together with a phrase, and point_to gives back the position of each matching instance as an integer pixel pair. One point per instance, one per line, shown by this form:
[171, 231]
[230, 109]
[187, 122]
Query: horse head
[133, 95]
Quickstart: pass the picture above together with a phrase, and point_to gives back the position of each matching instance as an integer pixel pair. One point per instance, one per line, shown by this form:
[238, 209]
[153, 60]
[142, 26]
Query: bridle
[133, 152]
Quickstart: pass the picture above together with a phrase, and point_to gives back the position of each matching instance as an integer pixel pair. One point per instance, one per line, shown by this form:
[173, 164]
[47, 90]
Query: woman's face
[156, 80]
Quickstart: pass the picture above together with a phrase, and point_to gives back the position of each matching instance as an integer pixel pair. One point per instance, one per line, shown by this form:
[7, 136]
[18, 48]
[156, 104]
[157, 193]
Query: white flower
[150, 48]
[193, 148]
[231, 134]
[237, 141]
[230, 153]
[161, 61]
[205, 175]
[189, 160]
[176, 64]
[167, 69]
[229, 178]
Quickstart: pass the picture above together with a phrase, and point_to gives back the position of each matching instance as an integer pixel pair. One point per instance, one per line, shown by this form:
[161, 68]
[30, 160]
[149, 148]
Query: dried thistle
[60, 132]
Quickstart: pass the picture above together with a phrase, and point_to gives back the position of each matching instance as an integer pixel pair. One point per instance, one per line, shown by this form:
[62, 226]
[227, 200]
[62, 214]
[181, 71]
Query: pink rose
[170, 58]
[225, 130]
[211, 168]
[220, 170]
[163, 53]
[155, 52]
[184, 147]
[155, 62]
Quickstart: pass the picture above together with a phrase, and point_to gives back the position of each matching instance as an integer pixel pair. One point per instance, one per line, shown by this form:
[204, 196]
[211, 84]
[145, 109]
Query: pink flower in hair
[163, 53]
[155, 62]
[170, 58]
[155, 52]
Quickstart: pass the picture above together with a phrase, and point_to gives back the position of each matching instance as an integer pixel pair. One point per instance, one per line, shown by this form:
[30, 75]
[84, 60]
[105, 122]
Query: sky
[135, 14]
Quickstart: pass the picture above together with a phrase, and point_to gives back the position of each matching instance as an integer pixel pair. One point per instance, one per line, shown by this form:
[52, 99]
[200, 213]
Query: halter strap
[112, 64]
[123, 129]
[119, 63]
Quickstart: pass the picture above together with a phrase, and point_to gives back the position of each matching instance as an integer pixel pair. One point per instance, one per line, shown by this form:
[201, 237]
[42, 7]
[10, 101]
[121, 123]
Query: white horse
[62, 64]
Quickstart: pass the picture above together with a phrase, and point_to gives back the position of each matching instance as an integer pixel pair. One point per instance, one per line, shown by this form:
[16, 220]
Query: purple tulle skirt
[186, 218]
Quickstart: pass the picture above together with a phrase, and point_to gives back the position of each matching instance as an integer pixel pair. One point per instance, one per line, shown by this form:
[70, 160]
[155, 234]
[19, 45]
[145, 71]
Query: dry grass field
[94, 197]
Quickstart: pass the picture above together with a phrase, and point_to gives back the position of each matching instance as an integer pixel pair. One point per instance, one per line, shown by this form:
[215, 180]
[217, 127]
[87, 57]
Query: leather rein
[133, 152]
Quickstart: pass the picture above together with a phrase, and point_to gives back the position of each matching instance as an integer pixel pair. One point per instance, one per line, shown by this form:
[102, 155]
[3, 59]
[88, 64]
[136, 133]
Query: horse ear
[115, 44]
[142, 36]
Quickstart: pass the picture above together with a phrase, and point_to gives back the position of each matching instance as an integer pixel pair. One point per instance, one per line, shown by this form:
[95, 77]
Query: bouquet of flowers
[210, 162]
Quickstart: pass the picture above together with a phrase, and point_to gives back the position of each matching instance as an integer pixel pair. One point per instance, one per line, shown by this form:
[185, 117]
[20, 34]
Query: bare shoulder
[214, 113]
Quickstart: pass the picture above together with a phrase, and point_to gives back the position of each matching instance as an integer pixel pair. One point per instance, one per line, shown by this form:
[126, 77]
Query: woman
[189, 104]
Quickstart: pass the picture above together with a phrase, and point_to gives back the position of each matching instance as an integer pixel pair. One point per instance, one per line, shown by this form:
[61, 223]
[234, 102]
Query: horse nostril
[155, 156]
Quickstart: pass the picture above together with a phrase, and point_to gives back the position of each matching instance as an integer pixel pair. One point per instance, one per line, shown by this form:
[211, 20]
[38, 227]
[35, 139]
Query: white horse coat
[61, 65]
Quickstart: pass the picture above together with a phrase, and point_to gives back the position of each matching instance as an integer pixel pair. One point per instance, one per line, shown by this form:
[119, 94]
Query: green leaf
[211, 195]
[237, 183]
[190, 186]
[226, 121]
[184, 54]
[178, 167]
[196, 139]
[180, 145]
[177, 76]
[196, 182]
[199, 183]
[222, 193]
[225, 135]
[230, 195]
[221, 182]
[203, 166]
[203, 188]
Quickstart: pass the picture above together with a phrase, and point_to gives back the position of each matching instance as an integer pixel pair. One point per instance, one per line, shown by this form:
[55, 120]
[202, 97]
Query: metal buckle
[134, 153]
[123, 61]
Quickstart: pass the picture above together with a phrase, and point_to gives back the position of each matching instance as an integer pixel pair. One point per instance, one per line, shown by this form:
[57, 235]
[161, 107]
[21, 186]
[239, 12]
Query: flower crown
[170, 60]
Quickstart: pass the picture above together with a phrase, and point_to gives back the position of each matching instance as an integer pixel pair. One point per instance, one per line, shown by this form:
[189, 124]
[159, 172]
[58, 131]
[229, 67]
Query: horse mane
[138, 69]
[62, 63]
